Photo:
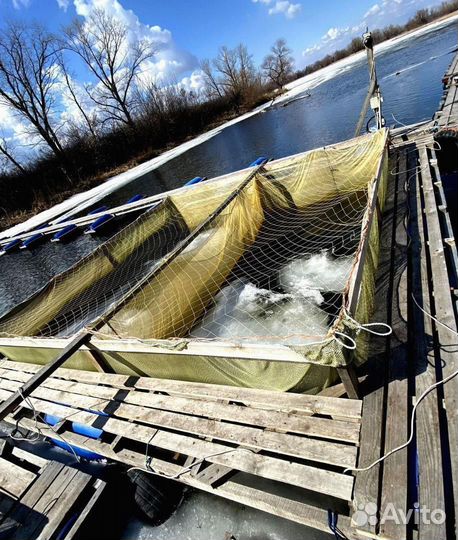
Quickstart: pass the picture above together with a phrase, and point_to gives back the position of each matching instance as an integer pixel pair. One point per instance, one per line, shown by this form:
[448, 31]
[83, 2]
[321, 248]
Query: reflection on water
[410, 79]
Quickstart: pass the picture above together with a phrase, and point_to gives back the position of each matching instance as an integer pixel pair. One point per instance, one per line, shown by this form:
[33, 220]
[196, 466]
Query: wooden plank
[338, 390]
[291, 445]
[444, 312]
[15, 399]
[367, 483]
[89, 508]
[24, 511]
[217, 349]
[305, 476]
[274, 420]
[14, 480]
[293, 510]
[30, 457]
[395, 476]
[59, 512]
[428, 439]
[281, 401]
[48, 498]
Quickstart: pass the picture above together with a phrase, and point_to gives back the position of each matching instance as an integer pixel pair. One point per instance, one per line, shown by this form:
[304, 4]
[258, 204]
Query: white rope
[150, 470]
[414, 410]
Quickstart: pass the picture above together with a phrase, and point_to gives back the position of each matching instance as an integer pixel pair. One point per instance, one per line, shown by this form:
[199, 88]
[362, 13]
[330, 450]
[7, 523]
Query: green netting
[259, 272]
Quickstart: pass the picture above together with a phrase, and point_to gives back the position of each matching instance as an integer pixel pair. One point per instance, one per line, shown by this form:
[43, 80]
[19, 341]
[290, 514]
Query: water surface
[409, 75]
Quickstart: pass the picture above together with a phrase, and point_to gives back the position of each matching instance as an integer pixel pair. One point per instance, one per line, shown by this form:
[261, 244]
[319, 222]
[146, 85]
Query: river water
[410, 78]
[409, 75]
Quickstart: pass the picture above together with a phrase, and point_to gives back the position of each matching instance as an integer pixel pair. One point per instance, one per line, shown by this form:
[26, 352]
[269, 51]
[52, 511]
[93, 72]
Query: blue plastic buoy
[258, 161]
[81, 429]
[32, 240]
[12, 246]
[193, 181]
[99, 224]
[135, 198]
[65, 233]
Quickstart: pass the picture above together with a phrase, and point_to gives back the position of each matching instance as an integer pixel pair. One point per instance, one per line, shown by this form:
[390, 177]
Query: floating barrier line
[84, 220]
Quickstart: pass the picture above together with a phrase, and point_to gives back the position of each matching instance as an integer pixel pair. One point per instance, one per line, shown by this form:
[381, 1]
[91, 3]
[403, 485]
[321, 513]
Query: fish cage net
[278, 265]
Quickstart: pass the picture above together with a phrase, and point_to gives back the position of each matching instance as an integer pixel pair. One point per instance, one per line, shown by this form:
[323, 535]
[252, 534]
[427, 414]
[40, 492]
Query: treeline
[421, 17]
[121, 119]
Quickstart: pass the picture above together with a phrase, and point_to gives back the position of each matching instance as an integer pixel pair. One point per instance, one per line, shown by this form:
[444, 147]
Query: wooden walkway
[206, 436]
[41, 499]
[416, 273]
[447, 113]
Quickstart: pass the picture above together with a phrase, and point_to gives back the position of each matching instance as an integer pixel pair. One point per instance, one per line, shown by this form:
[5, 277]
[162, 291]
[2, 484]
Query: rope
[150, 470]
[419, 400]
[38, 431]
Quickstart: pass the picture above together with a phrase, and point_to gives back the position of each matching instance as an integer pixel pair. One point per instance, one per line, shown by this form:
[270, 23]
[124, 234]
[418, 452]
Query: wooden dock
[447, 113]
[42, 499]
[286, 453]
[274, 439]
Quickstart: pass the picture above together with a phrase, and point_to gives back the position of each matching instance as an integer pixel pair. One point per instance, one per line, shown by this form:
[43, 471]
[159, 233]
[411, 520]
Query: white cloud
[18, 4]
[63, 4]
[372, 11]
[285, 7]
[378, 15]
[335, 33]
[169, 61]
[194, 83]
[262, 1]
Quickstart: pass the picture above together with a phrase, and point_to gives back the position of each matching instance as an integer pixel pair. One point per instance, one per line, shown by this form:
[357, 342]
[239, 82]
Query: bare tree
[236, 71]
[278, 65]
[8, 156]
[89, 120]
[212, 86]
[103, 43]
[29, 80]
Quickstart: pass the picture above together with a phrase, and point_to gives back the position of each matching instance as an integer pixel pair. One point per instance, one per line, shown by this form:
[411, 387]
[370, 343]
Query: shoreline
[82, 200]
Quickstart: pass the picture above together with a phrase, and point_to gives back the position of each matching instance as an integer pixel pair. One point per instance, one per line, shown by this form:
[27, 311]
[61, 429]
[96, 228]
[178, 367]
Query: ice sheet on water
[296, 315]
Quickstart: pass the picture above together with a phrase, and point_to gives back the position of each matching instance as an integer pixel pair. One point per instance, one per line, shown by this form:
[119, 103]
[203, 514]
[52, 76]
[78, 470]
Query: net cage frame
[116, 352]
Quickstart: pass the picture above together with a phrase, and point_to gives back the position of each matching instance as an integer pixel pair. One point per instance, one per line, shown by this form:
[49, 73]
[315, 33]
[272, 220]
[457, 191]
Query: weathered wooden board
[266, 501]
[428, 440]
[395, 472]
[14, 480]
[281, 401]
[102, 398]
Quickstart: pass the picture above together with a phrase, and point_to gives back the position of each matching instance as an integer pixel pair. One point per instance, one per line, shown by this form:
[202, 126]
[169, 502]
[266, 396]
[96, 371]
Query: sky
[191, 30]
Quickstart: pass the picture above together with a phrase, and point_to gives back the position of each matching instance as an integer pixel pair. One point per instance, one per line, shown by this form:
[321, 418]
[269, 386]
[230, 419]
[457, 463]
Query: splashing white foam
[319, 272]
[242, 310]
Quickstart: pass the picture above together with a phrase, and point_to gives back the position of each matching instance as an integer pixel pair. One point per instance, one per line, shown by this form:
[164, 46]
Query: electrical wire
[419, 400]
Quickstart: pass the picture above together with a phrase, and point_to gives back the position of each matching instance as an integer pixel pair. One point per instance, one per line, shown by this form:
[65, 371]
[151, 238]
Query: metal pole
[15, 399]
[374, 95]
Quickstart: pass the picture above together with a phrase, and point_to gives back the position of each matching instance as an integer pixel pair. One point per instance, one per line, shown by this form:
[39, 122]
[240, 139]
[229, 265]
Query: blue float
[193, 181]
[99, 224]
[32, 240]
[12, 246]
[135, 198]
[260, 161]
[98, 210]
[65, 234]
[81, 429]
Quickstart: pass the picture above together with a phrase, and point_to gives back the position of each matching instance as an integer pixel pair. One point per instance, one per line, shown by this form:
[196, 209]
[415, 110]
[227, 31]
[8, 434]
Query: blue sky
[199, 27]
